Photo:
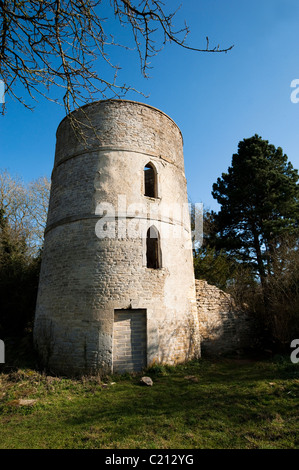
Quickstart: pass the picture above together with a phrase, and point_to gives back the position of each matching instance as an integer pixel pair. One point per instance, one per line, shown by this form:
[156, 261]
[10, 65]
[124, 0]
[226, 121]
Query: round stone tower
[117, 288]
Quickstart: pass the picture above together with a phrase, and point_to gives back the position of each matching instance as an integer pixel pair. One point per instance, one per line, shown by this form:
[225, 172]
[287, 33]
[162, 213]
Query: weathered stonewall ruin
[117, 289]
[223, 327]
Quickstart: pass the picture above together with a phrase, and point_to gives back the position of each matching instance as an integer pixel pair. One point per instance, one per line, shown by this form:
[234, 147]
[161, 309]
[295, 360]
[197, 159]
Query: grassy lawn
[225, 403]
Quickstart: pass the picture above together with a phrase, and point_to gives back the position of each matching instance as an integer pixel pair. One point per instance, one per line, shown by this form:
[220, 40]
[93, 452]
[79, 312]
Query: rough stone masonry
[117, 289]
[224, 328]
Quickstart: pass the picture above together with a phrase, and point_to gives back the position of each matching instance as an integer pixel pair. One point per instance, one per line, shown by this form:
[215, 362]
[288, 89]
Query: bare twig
[55, 43]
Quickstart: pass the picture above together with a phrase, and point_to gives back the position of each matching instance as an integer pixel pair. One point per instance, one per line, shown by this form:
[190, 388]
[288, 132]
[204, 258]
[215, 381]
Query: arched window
[150, 181]
[153, 249]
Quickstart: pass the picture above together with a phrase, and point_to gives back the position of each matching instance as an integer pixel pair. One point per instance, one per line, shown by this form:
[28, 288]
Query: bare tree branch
[56, 43]
[25, 208]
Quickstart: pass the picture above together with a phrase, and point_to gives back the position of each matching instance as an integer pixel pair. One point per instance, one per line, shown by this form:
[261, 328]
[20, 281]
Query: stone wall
[223, 328]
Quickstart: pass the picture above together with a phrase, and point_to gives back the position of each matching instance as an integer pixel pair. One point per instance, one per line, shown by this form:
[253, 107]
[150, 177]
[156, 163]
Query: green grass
[218, 404]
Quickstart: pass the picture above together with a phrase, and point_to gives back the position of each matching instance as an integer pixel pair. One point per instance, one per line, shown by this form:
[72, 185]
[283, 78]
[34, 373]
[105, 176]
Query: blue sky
[216, 99]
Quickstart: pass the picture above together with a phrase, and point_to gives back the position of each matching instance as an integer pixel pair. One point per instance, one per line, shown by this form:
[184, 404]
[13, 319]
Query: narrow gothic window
[150, 181]
[153, 249]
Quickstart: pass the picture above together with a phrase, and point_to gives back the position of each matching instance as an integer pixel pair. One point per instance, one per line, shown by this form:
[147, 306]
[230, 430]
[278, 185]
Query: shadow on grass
[19, 353]
[223, 397]
[223, 403]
